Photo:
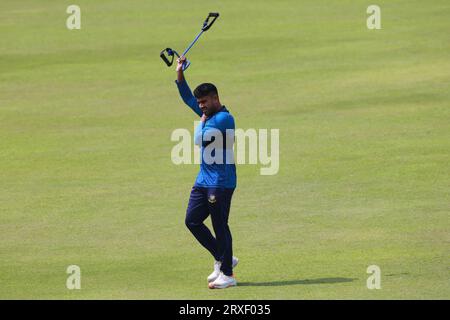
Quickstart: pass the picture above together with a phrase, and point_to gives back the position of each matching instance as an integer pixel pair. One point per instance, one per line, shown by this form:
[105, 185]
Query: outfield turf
[86, 176]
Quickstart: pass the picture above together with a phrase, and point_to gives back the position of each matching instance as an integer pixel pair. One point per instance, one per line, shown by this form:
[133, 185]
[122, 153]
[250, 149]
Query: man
[216, 181]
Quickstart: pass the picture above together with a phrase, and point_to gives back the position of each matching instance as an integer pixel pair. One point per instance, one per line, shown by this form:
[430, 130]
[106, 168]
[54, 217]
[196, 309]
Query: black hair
[205, 89]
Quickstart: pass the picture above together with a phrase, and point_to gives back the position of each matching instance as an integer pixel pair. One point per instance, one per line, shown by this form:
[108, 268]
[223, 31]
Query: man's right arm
[185, 91]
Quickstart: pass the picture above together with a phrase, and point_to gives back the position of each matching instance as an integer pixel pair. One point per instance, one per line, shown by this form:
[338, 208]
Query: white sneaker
[217, 264]
[222, 282]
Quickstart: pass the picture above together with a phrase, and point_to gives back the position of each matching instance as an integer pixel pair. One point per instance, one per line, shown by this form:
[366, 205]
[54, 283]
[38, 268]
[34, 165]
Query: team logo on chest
[212, 198]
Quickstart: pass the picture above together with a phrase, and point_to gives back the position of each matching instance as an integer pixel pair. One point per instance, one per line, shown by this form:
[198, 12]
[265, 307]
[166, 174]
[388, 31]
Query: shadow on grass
[295, 282]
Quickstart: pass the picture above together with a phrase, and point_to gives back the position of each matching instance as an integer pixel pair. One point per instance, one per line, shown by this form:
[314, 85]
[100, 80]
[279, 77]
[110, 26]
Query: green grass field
[86, 176]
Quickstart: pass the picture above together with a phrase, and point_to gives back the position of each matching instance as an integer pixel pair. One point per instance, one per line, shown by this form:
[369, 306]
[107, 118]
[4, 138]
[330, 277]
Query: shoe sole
[212, 286]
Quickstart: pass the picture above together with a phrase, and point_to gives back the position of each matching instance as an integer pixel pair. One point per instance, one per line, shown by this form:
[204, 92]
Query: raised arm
[185, 91]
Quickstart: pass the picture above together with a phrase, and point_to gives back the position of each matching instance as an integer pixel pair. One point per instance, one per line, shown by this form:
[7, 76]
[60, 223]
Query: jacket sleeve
[188, 97]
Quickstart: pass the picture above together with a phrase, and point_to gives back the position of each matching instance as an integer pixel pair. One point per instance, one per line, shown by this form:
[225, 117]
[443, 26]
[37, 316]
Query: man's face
[208, 104]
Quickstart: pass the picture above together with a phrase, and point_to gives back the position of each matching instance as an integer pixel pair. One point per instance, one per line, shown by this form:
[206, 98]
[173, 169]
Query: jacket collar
[222, 109]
